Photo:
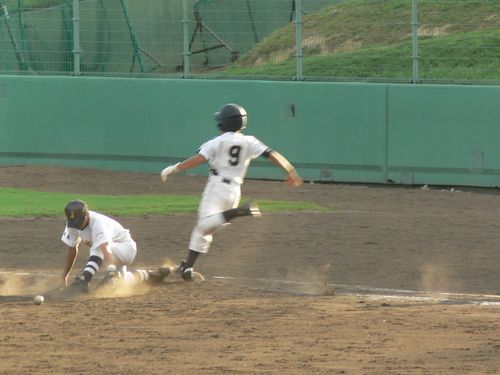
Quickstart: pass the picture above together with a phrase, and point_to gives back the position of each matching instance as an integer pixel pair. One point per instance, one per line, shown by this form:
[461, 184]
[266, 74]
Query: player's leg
[212, 203]
[202, 234]
[221, 206]
[154, 276]
[217, 199]
[81, 282]
[218, 206]
[124, 253]
[198, 244]
[92, 267]
[246, 209]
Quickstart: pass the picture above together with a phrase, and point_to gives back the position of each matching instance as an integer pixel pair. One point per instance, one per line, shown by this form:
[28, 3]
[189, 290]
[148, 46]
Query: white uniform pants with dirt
[217, 196]
[124, 252]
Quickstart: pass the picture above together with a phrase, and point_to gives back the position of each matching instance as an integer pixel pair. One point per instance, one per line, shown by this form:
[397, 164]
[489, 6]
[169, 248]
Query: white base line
[387, 293]
[351, 290]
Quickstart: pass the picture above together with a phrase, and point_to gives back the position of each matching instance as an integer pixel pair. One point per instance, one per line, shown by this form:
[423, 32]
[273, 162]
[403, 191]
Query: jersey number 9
[234, 153]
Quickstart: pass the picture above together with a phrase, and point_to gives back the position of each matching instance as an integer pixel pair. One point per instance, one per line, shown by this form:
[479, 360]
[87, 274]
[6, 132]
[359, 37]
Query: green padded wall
[141, 124]
[350, 132]
[444, 135]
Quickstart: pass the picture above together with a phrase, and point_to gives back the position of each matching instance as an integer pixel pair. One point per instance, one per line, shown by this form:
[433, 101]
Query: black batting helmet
[231, 117]
[75, 213]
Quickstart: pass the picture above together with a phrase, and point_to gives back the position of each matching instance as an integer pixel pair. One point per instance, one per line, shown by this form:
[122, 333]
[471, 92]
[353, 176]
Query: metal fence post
[415, 57]
[76, 38]
[185, 35]
[298, 39]
[133, 38]
[5, 14]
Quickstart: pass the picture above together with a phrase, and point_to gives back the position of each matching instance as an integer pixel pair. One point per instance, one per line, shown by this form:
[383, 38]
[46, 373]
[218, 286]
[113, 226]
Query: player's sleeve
[257, 148]
[207, 150]
[99, 239]
[267, 153]
[70, 237]
[99, 235]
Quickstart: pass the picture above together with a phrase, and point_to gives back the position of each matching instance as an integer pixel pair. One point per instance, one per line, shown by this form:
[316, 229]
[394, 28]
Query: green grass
[28, 203]
[459, 40]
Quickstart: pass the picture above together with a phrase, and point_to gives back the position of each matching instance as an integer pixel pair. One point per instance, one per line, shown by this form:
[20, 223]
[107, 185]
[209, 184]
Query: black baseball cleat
[80, 285]
[187, 274]
[248, 209]
[185, 271]
[158, 275]
[253, 209]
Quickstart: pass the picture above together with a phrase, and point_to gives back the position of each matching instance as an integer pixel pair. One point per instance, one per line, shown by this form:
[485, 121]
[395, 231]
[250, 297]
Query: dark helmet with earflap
[231, 117]
[76, 211]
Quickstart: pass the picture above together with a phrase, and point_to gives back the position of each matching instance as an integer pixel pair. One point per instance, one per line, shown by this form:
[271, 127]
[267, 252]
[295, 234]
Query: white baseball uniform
[103, 229]
[228, 156]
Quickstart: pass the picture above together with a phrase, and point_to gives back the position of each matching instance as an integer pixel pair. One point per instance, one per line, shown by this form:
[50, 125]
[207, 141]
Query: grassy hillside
[365, 38]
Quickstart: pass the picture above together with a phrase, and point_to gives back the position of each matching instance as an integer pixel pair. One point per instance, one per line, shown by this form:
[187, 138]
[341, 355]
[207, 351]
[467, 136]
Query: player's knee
[210, 224]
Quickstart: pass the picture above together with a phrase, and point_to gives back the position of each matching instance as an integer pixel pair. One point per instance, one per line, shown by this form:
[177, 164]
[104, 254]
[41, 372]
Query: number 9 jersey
[230, 154]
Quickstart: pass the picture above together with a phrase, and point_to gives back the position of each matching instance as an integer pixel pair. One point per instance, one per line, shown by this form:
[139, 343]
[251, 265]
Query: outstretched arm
[293, 177]
[68, 265]
[192, 162]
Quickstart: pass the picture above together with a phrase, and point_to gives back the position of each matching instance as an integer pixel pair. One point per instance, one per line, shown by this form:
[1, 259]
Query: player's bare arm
[68, 264]
[293, 177]
[192, 162]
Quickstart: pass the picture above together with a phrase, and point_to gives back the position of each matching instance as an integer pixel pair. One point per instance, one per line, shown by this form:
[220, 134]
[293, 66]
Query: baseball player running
[110, 244]
[228, 157]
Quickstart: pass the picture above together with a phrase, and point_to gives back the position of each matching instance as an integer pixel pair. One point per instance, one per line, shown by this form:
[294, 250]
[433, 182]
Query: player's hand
[293, 179]
[63, 282]
[168, 171]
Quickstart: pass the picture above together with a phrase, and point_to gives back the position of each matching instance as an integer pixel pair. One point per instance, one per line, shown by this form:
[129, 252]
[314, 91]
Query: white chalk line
[347, 290]
[386, 293]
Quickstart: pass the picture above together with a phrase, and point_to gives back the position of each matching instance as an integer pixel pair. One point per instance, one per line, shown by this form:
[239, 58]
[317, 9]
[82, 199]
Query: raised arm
[293, 177]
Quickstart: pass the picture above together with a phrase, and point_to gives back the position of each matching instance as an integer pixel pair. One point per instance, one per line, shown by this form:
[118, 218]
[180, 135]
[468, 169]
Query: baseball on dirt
[38, 299]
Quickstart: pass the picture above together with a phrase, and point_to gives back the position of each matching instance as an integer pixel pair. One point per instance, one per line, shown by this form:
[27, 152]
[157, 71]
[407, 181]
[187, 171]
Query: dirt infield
[416, 273]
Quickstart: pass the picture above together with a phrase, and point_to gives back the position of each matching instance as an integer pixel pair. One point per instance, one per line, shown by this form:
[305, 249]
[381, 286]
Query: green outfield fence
[415, 41]
[331, 131]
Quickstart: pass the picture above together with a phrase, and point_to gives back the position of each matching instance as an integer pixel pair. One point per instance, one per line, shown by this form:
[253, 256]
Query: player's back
[103, 226]
[230, 154]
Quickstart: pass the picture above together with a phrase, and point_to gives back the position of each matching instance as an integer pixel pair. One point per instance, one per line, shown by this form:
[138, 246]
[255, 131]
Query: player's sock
[136, 276]
[93, 265]
[191, 259]
[246, 209]
[140, 276]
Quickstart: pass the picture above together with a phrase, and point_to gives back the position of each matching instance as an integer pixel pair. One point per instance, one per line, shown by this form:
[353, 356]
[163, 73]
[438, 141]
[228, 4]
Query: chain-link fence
[343, 40]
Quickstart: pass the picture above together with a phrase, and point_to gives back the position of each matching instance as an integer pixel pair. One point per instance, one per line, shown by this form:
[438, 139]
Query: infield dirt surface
[416, 273]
